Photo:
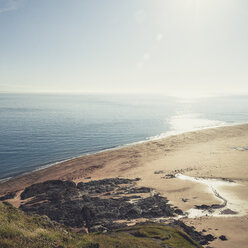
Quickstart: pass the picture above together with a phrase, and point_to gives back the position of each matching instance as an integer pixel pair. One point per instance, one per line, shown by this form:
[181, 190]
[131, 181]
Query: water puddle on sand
[240, 148]
[230, 204]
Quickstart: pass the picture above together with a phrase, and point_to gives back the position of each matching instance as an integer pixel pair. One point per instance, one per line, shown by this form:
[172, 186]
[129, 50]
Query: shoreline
[118, 148]
[148, 139]
[215, 153]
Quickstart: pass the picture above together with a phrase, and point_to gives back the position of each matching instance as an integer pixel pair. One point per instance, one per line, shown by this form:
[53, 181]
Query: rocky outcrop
[223, 237]
[197, 236]
[8, 196]
[97, 205]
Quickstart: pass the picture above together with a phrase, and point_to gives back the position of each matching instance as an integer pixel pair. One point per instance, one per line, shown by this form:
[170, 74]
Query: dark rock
[203, 206]
[95, 203]
[88, 216]
[139, 190]
[197, 236]
[223, 237]
[158, 172]
[169, 176]
[228, 211]
[134, 212]
[8, 196]
[228, 180]
[178, 211]
[52, 187]
[209, 207]
[103, 186]
[210, 237]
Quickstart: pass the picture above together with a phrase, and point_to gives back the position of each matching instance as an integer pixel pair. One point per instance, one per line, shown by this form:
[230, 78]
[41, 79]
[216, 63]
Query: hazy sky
[173, 47]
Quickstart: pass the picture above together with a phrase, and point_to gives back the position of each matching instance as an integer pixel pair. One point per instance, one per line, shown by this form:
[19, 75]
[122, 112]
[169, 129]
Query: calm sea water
[36, 130]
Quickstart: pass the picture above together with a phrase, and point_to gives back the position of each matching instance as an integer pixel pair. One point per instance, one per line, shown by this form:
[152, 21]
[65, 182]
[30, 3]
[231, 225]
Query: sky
[171, 47]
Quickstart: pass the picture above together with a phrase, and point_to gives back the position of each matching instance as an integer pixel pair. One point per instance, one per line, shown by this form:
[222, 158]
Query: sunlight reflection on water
[189, 122]
[180, 123]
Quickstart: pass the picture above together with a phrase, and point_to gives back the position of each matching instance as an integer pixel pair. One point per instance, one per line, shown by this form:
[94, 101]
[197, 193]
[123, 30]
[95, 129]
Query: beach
[215, 161]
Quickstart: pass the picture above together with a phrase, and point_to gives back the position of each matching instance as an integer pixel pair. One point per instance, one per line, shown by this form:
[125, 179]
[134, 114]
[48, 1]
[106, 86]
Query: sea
[38, 130]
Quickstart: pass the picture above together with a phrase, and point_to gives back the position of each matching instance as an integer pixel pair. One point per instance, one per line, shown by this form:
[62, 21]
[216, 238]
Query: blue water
[37, 130]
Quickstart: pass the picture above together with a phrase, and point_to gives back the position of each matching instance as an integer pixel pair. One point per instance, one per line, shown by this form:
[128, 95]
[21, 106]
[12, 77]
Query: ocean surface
[38, 130]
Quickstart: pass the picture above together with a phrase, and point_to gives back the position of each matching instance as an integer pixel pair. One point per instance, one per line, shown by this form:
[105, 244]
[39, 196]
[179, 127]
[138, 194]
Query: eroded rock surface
[8, 196]
[97, 205]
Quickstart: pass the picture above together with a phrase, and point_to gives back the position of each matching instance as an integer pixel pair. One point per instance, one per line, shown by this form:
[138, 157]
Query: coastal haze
[178, 48]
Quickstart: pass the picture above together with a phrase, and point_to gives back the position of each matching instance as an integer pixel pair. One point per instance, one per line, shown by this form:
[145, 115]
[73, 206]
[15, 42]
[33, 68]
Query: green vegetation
[146, 235]
[20, 230]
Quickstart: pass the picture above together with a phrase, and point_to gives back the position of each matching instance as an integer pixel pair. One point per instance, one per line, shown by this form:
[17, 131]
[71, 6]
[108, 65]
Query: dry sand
[210, 153]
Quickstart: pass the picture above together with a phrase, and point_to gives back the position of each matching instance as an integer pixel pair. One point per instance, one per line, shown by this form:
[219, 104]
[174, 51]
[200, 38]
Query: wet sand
[207, 154]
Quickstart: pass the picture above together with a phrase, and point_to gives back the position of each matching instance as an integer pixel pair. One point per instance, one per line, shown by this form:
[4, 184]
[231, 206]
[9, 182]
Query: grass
[146, 235]
[20, 230]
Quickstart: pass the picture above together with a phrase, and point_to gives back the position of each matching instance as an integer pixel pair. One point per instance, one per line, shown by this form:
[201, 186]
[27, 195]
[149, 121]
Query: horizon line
[126, 93]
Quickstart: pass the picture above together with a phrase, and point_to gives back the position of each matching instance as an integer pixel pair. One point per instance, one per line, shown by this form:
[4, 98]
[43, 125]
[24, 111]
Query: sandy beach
[215, 162]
